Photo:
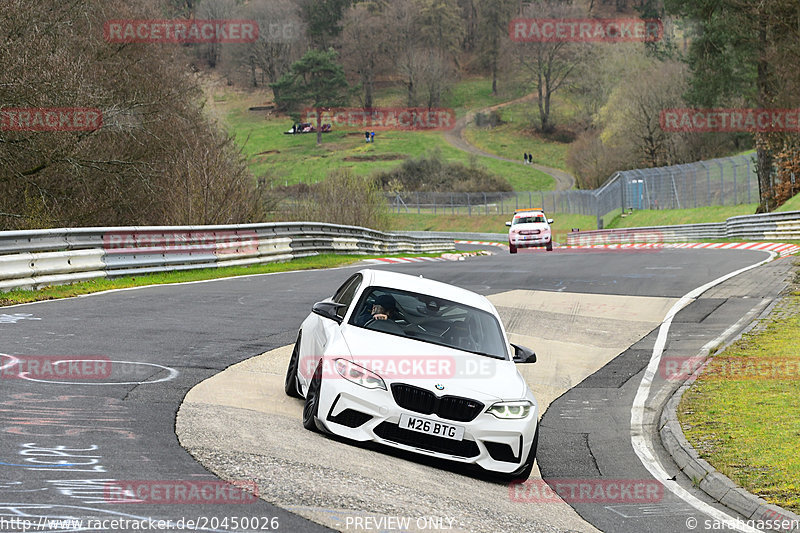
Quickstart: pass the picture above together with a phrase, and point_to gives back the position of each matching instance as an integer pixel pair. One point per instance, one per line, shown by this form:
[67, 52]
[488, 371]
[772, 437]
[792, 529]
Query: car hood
[430, 366]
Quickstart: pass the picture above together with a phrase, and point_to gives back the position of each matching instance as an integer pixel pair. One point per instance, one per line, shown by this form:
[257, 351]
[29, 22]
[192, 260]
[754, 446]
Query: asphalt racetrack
[591, 317]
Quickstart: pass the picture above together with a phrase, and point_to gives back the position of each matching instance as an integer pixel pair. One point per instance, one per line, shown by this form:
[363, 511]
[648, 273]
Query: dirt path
[455, 137]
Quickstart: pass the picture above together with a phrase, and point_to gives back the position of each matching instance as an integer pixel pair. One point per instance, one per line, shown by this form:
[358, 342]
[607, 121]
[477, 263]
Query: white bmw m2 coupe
[419, 365]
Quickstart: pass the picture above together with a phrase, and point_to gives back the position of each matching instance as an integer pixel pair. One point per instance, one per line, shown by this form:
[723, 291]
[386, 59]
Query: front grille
[394, 433]
[425, 402]
[350, 418]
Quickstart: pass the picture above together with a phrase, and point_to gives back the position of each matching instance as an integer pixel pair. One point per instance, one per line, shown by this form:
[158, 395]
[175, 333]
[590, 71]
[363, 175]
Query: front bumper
[529, 241]
[361, 414]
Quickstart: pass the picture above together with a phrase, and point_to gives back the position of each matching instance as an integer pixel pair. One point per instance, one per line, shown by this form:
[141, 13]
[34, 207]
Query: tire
[524, 471]
[290, 383]
[311, 407]
[550, 246]
[512, 248]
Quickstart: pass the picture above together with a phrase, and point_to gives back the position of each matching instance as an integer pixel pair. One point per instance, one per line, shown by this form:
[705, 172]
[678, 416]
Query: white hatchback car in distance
[529, 229]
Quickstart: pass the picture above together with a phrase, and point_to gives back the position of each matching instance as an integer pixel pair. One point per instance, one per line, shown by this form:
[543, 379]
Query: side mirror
[328, 310]
[523, 354]
[549, 220]
[508, 224]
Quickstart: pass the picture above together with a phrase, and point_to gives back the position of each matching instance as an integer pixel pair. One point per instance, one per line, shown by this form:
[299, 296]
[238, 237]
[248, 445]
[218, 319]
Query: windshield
[429, 319]
[534, 219]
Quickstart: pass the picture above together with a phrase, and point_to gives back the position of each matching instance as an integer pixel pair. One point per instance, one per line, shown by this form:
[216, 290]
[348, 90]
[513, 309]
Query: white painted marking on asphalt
[640, 444]
[16, 317]
[645, 511]
[24, 375]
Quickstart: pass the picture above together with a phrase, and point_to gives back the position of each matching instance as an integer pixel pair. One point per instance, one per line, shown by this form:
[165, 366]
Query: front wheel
[512, 248]
[311, 407]
[550, 246]
[290, 384]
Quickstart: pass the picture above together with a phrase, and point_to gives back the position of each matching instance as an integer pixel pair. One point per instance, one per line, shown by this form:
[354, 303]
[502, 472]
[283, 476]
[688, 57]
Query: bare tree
[427, 68]
[211, 52]
[281, 40]
[364, 42]
[493, 19]
[632, 115]
[154, 134]
[435, 74]
[549, 66]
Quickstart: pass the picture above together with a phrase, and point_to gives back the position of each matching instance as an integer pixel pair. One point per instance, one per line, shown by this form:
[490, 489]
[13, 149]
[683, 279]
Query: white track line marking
[640, 444]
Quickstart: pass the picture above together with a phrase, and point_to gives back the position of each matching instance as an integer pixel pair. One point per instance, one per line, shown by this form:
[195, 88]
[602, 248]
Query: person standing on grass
[372, 136]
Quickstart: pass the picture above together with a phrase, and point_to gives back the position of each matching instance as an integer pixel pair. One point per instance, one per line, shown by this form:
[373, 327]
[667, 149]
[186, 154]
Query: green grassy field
[745, 424]
[475, 93]
[668, 217]
[514, 138]
[792, 204]
[291, 159]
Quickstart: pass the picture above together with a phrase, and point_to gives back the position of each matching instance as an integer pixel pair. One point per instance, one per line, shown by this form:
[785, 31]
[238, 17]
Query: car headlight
[511, 410]
[359, 375]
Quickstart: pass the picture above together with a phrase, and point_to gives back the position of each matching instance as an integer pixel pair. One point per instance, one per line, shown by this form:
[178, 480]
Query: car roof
[529, 210]
[395, 280]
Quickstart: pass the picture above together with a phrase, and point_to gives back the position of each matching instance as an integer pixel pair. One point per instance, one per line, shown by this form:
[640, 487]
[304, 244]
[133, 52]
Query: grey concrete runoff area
[310, 474]
[206, 361]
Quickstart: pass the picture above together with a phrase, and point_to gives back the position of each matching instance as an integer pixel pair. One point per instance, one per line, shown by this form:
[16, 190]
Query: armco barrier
[37, 258]
[769, 226]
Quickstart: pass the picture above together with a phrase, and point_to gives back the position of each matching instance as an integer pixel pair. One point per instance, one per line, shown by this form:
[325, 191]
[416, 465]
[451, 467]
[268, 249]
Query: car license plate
[431, 427]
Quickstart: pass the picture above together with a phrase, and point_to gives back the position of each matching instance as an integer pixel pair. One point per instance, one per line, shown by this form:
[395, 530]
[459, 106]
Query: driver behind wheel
[384, 308]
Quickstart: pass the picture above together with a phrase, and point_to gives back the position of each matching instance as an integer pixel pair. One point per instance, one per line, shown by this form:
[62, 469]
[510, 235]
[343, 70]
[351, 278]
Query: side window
[346, 293]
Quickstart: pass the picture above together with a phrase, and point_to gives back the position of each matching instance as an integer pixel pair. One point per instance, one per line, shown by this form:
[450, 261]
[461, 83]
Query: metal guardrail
[463, 236]
[769, 226]
[37, 258]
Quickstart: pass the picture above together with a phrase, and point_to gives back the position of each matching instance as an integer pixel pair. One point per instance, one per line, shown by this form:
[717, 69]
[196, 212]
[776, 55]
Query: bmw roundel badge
[439, 386]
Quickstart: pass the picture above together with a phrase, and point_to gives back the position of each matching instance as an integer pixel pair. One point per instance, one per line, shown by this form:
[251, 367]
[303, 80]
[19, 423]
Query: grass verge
[742, 414]
[562, 223]
[669, 217]
[103, 284]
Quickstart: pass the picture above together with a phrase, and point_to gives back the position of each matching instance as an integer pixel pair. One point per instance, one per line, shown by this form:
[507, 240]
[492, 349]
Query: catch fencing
[36, 258]
[724, 181]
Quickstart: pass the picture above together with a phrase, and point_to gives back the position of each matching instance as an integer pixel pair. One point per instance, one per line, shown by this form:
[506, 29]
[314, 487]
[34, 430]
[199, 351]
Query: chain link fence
[724, 181]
